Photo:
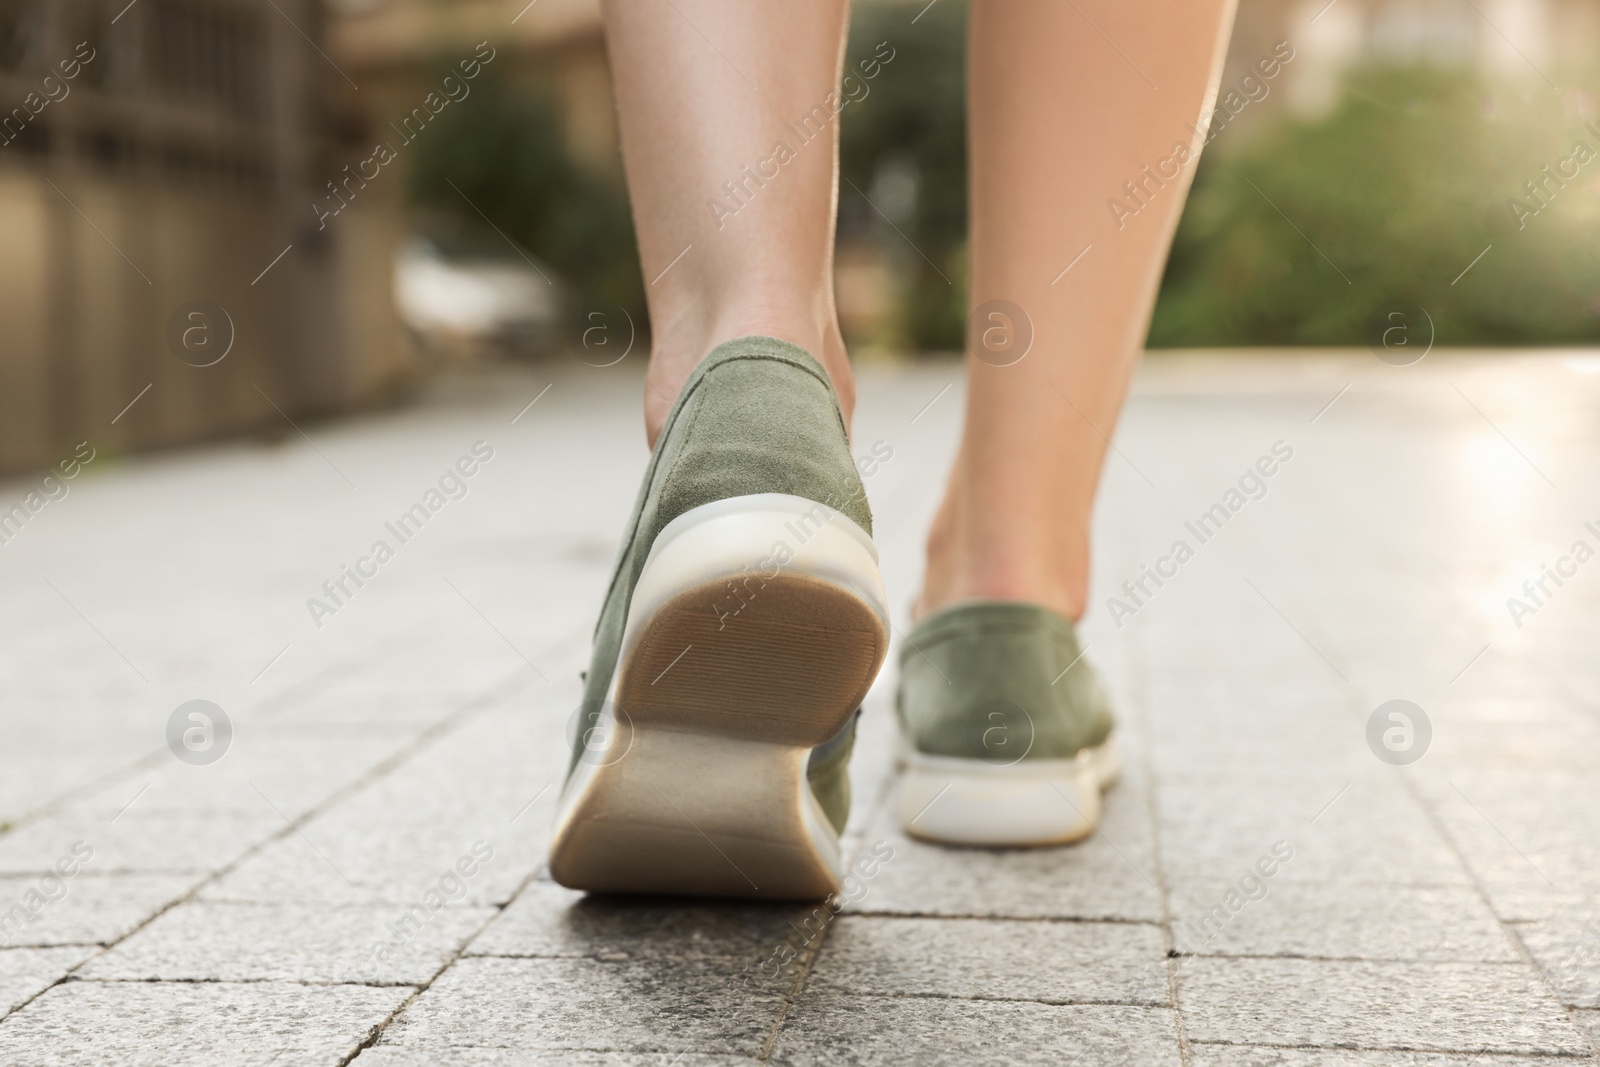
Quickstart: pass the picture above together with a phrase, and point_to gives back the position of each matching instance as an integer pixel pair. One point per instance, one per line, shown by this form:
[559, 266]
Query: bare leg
[1059, 120]
[706, 90]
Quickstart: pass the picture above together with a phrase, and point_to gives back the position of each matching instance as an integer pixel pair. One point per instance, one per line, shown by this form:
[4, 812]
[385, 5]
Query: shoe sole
[1032, 802]
[737, 660]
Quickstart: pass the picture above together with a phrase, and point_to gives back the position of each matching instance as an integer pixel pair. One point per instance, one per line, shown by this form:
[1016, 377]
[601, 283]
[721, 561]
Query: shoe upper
[999, 681]
[758, 415]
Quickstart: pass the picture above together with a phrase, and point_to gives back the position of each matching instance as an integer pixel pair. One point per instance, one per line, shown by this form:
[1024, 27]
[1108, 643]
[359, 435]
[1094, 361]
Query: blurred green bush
[911, 131]
[1401, 186]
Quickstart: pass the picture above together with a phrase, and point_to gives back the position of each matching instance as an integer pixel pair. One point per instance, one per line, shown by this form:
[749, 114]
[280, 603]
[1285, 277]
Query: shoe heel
[698, 815]
[755, 630]
[757, 617]
[1033, 802]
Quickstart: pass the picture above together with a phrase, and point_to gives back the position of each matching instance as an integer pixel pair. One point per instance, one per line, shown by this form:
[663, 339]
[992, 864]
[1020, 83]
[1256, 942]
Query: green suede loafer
[744, 623]
[1008, 731]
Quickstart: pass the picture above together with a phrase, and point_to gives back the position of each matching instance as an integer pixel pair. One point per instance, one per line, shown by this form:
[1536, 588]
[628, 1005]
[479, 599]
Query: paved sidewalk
[359, 878]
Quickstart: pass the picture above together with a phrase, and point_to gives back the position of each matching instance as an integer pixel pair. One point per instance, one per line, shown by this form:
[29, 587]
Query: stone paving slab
[375, 704]
[1243, 1056]
[385, 1056]
[140, 841]
[1368, 830]
[851, 1030]
[486, 1057]
[268, 769]
[96, 908]
[978, 959]
[1525, 830]
[661, 1006]
[1446, 1007]
[1266, 734]
[1109, 876]
[46, 759]
[1544, 903]
[199, 941]
[1358, 920]
[27, 972]
[1486, 739]
[547, 920]
[1567, 950]
[430, 712]
[490, 783]
[147, 1024]
[1589, 1023]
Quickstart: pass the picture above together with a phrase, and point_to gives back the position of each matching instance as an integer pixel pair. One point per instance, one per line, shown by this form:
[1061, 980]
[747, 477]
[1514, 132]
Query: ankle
[1002, 560]
[947, 585]
[680, 345]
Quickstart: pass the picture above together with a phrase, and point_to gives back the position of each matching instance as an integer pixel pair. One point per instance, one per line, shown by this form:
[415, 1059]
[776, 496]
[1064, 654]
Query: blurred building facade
[165, 279]
[462, 296]
[395, 49]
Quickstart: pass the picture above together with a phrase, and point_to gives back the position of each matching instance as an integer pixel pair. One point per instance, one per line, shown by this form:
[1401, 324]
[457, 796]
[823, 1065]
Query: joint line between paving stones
[461, 950]
[1065, 920]
[104, 780]
[807, 962]
[1455, 848]
[1527, 959]
[383, 769]
[1145, 1004]
[1542, 1059]
[1510, 934]
[311, 982]
[1169, 965]
[810, 955]
[1431, 961]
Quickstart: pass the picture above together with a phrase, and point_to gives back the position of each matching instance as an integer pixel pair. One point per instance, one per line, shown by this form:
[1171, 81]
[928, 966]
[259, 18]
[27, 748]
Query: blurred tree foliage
[506, 153]
[1401, 186]
[911, 130]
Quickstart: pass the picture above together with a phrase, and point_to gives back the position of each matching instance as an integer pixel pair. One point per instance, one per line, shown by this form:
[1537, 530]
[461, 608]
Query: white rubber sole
[756, 628]
[1031, 802]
